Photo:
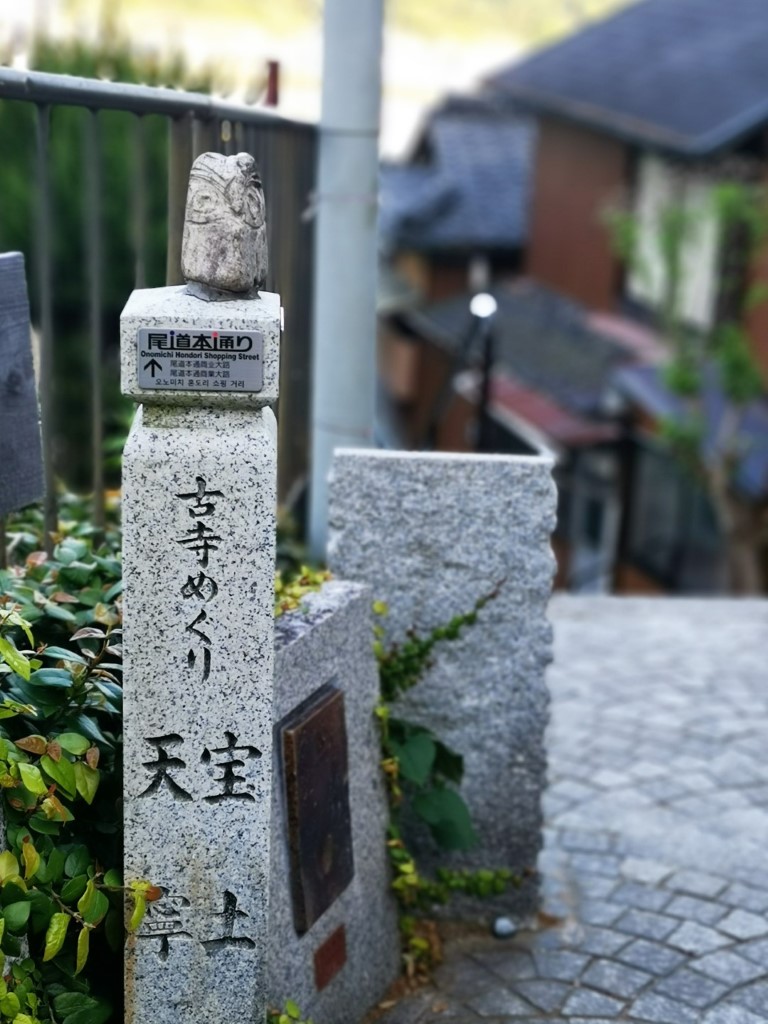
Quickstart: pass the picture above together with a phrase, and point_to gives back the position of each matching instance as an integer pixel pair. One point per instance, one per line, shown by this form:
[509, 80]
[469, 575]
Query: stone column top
[177, 350]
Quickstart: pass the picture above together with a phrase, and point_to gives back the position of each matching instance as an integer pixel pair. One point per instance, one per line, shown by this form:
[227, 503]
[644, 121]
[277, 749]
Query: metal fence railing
[286, 154]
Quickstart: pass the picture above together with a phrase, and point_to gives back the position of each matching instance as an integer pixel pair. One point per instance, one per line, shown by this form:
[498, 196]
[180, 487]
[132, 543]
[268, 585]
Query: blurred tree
[721, 357]
[110, 59]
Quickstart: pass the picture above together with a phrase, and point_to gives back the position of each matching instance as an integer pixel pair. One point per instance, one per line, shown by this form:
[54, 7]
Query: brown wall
[577, 175]
[434, 278]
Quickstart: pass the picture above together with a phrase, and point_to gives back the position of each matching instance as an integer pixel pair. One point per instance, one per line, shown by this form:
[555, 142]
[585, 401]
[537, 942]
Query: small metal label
[190, 359]
[330, 957]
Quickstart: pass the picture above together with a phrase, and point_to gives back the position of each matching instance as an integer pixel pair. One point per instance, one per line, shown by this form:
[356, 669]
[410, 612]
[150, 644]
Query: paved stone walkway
[656, 850]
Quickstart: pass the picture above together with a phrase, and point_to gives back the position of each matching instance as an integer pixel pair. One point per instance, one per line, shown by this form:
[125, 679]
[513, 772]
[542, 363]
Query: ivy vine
[423, 774]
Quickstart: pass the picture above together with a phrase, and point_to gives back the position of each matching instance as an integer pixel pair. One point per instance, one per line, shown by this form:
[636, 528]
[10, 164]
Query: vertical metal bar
[238, 135]
[139, 202]
[94, 249]
[250, 141]
[3, 543]
[203, 136]
[179, 163]
[45, 291]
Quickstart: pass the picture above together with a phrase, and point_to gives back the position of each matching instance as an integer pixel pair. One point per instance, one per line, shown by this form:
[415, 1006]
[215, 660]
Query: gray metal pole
[344, 329]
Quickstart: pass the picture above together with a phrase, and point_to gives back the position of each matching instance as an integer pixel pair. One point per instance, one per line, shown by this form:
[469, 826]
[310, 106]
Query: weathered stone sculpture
[224, 248]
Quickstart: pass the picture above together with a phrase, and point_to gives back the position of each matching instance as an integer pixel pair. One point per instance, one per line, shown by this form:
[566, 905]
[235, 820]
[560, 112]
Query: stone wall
[330, 642]
[432, 533]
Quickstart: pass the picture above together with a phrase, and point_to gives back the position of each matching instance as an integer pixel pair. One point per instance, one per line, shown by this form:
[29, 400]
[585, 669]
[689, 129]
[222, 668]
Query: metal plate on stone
[192, 359]
[316, 773]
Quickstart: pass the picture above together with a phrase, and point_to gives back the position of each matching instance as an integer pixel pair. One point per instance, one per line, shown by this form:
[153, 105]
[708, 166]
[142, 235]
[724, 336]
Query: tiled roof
[541, 338]
[559, 425]
[470, 189]
[688, 76]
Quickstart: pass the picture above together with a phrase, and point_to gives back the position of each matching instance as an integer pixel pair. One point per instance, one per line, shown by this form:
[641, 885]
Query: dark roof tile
[473, 194]
[690, 76]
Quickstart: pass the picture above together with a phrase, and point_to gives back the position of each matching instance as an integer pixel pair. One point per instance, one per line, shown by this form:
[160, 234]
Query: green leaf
[113, 878]
[90, 727]
[55, 935]
[73, 742]
[448, 818]
[14, 619]
[10, 1005]
[69, 550]
[32, 779]
[89, 633]
[77, 574]
[77, 862]
[16, 915]
[448, 763]
[43, 909]
[72, 1002]
[83, 940]
[62, 654]
[14, 658]
[113, 591]
[31, 859]
[90, 596]
[139, 910]
[9, 866]
[61, 772]
[57, 611]
[12, 891]
[97, 1015]
[97, 909]
[87, 781]
[416, 757]
[11, 944]
[55, 677]
[56, 865]
[87, 900]
[44, 825]
[74, 888]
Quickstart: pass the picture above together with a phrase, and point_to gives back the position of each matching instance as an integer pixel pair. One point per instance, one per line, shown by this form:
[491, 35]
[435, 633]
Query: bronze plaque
[330, 958]
[316, 772]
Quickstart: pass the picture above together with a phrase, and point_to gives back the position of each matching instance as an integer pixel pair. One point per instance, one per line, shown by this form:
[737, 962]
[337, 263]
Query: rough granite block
[172, 307]
[330, 642]
[431, 534]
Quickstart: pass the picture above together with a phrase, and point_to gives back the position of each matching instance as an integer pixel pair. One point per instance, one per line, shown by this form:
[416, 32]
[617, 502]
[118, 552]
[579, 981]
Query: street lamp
[483, 307]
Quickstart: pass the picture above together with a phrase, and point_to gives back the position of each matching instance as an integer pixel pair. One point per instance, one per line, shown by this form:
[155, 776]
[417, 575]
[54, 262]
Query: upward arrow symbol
[153, 366]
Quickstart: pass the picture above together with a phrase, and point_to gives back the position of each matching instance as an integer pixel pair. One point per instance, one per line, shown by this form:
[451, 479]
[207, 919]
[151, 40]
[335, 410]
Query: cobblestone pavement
[656, 849]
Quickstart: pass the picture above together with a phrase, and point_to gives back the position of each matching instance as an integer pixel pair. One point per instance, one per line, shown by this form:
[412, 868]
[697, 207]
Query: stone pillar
[199, 496]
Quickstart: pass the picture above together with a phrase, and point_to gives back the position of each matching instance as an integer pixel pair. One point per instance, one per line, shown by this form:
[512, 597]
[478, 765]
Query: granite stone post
[199, 495]
[431, 534]
[344, 962]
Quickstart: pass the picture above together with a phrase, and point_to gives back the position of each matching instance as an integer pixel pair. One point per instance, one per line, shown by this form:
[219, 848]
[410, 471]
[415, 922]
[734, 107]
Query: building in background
[653, 106]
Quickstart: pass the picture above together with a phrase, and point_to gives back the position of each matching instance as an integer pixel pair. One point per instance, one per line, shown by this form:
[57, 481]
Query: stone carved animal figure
[224, 247]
